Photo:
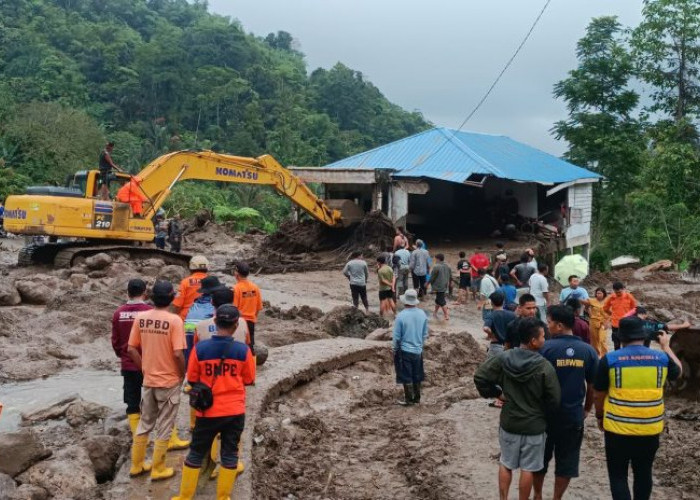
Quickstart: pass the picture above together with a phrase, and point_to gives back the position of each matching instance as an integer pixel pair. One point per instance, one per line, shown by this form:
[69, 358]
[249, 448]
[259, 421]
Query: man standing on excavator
[106, 165]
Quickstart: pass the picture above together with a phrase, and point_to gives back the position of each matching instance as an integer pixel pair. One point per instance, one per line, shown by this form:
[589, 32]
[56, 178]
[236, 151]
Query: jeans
[419, 284]
[619, 452]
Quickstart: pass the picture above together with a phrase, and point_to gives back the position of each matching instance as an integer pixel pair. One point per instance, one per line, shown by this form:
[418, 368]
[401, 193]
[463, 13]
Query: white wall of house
[580, 203]
[525, 193]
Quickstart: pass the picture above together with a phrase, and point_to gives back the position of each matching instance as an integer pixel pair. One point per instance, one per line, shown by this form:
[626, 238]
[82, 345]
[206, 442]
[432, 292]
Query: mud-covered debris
[20, 450]
[9, 296]
[82, 412]
[348, 321]
[68, 474]
[380, 334]
[261, 354]
[38, 289]
[31, 492]
[98, 261]
[172, 273]
[304, 312]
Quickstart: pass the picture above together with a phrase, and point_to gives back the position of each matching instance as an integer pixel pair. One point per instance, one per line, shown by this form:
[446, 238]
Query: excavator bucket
[349, 211]
[686, 344]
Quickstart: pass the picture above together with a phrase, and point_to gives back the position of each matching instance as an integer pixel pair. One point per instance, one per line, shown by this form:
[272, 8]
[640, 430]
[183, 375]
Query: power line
[498, 78]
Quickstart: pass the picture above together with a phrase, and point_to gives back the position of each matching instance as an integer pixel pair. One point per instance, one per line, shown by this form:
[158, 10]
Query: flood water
[99, 386]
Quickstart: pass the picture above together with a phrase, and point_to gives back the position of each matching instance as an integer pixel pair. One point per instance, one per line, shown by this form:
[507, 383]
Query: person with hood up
[529, 388]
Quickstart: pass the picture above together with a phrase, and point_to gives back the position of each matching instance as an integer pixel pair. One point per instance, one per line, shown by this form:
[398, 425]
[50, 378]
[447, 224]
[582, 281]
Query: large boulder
[261, 354]
[348, 321]
[173, 274]
[104, 452]
[7, 486]
[37, 289]
[67, 474]
[53, 411]
[98, 261]
[83, 412]
[9, 296]
[30, 492]
[20, 450]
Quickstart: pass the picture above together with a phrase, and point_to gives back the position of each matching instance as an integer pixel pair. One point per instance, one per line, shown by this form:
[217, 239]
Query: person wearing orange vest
[618, 305]
[199, 265]
[248, 299]
[629, 404]
[131, 193]
[226, 366]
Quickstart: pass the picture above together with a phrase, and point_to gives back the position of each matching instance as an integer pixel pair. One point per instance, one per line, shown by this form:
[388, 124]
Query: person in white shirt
[539, 288]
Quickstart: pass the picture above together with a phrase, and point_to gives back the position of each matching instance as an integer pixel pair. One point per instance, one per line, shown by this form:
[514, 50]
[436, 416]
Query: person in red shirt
[226, 366]
[248, 299]
[618, 305]
[122, 321]
[188, 292]
[477, 261]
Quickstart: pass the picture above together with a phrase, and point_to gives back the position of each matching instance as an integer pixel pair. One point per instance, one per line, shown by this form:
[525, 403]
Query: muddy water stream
[99, 386]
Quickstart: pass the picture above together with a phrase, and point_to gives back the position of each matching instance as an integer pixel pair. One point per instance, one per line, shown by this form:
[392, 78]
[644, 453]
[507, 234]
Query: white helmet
[199, 263]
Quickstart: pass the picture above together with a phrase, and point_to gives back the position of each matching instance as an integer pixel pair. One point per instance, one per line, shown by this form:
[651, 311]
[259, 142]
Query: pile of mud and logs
[301, 246]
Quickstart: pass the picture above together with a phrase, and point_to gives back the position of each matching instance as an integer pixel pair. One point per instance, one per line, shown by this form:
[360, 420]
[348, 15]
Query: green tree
[667, 49]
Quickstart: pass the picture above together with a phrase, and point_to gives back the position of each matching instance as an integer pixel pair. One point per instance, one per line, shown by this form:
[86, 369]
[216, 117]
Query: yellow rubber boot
[138, 454]
[193, 418]
[134, 419]
[188, 486]
[175, 443]
[224, 485]
[159, 470]
[214, 454]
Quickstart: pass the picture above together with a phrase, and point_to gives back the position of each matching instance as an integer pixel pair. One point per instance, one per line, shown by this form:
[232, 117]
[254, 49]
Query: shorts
[409, 367]
[475, 284]
[522, 452]
[206, 429]
[159, 410]
[494, 350]
[440, 299]
[465, 282]
[564, 443]
[386, 294]
[106, 176]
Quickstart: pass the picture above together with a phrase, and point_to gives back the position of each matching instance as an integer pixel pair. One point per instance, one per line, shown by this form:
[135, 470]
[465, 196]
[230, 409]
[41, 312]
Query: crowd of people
[548, 364]
[200, 341]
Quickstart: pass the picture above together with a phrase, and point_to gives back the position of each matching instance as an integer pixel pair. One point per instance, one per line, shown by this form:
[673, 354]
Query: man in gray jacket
[419, 266]
[529, 387]
[441, 281]
[357, 273]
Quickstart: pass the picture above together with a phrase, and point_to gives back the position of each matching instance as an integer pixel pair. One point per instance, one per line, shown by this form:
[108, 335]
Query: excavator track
[65, 254]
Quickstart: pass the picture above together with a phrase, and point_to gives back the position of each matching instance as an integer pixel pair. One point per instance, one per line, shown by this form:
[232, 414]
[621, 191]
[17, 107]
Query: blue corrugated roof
[451, 155]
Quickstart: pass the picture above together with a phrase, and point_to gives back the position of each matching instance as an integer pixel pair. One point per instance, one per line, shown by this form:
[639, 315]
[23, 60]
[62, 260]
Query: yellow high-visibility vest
[634, 405]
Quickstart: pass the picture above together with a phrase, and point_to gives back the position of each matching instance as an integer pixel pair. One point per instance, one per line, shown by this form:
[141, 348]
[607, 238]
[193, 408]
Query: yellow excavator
[79, 224]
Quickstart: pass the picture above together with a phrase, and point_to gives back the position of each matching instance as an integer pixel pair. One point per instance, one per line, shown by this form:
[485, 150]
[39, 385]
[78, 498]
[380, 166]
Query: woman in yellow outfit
[599, 321]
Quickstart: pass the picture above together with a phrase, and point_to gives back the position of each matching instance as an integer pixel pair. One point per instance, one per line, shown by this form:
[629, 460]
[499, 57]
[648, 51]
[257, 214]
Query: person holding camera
[653, 327]
[218, 371]
[629, 405]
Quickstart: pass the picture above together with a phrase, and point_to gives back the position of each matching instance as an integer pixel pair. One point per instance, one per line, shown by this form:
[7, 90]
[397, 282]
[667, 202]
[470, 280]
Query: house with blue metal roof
[465, 180]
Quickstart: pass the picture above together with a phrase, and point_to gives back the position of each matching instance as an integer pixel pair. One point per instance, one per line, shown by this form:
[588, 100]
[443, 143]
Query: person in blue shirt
[511, 293]
[575, 363]
[410, 333]
[574, 291]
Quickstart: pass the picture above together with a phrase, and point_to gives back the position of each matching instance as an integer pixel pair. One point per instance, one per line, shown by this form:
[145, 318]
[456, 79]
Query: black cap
[641, 310]
[228, 313]
[209, 285]
[632, 328]
[243, 269]
[163, 288]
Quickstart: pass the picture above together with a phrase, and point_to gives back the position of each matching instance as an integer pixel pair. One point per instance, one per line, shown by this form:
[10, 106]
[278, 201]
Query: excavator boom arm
[159, 177]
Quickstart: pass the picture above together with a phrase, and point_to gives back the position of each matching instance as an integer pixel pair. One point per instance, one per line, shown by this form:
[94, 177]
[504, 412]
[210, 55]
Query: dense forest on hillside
[634, 106]
[162, 75]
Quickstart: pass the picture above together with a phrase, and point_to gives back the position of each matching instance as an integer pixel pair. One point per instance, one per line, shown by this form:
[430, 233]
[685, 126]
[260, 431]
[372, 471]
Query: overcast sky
[440, 56]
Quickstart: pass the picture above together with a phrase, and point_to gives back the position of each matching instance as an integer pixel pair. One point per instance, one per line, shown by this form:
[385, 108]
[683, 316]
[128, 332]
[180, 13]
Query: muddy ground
[340, 436]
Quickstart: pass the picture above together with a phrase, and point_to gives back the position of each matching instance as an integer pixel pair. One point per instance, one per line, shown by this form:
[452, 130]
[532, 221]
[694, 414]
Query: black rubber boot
[408, 395]
[416, 393]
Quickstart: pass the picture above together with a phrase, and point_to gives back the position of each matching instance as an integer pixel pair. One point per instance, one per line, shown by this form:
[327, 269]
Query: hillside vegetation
[162, 75]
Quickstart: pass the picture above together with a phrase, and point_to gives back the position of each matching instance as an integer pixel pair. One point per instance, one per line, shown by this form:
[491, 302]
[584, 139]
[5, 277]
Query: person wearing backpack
[223, 367]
